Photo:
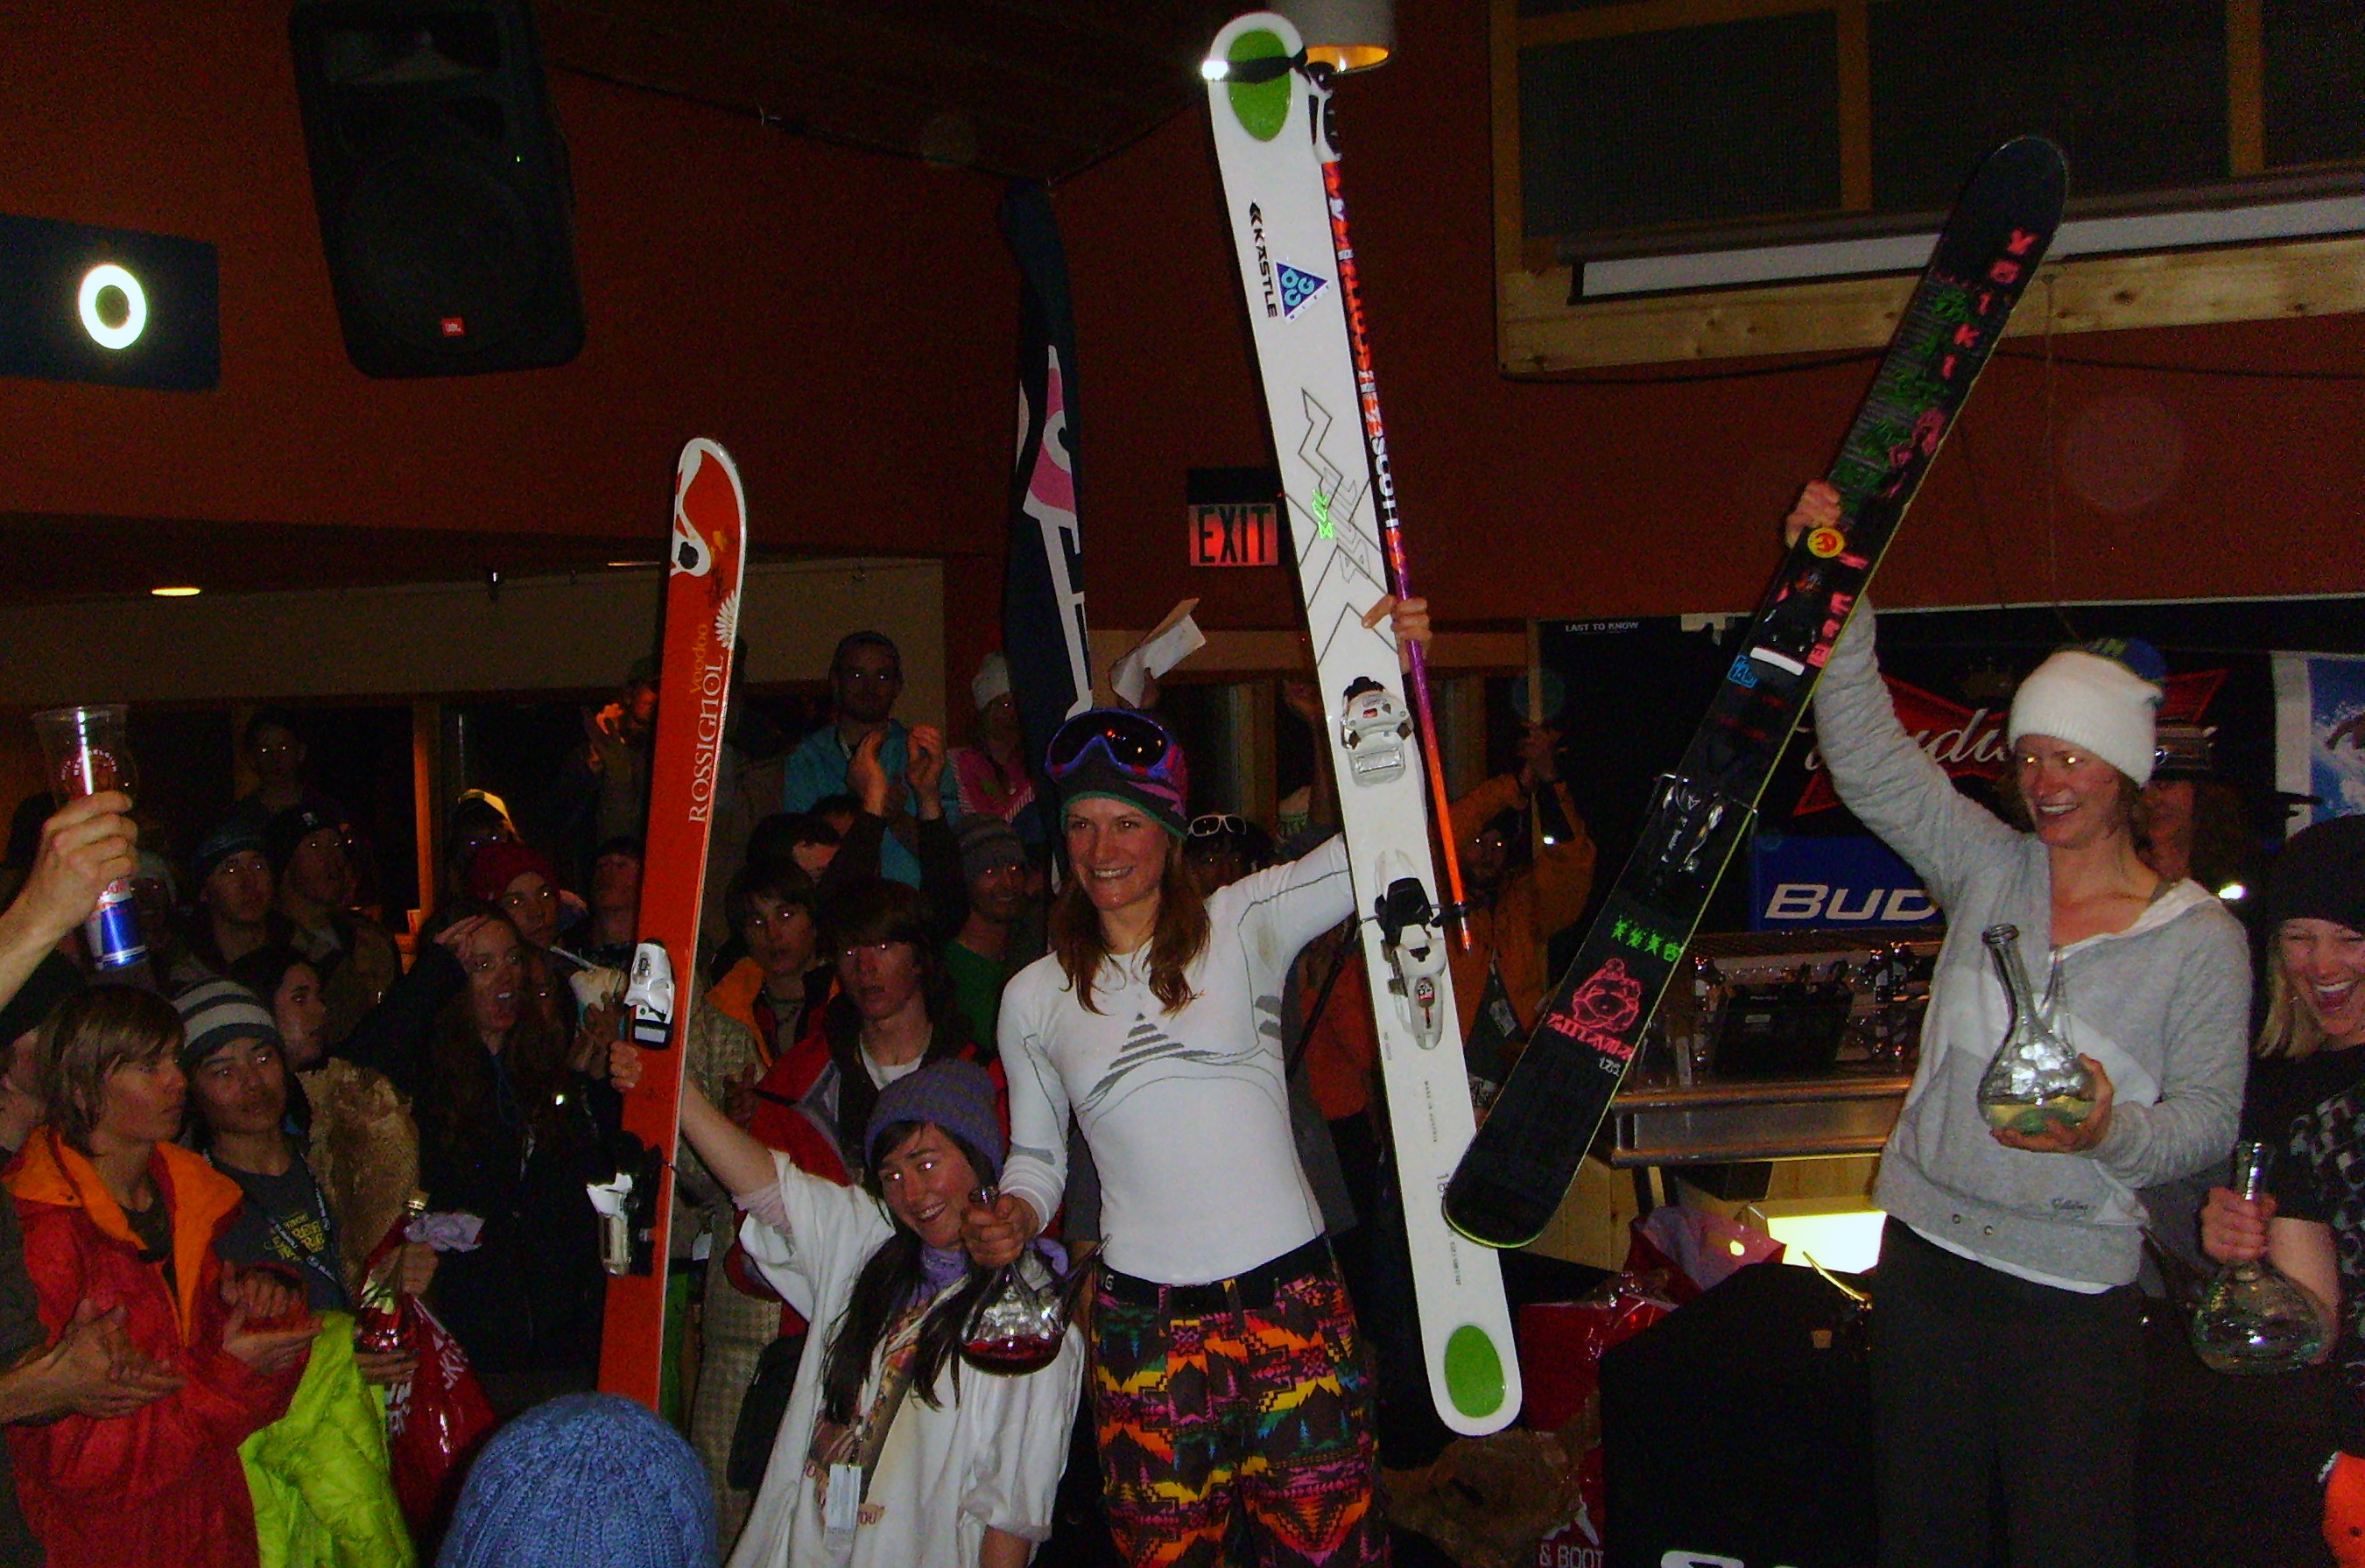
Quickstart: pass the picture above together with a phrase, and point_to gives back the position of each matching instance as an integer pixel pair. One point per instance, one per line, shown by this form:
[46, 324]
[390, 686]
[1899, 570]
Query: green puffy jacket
[323, 1498]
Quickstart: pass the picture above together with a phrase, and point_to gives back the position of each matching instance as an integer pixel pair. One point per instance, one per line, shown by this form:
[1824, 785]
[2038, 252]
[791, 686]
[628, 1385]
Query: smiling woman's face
[927, 1182]
[2325, 963]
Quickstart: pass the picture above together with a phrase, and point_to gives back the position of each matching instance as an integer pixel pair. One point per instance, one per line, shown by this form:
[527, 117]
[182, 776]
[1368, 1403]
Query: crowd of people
[916, 1054]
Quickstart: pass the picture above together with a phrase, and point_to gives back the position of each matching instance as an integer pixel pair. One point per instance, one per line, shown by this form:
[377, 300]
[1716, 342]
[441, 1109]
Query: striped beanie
[215, 1011]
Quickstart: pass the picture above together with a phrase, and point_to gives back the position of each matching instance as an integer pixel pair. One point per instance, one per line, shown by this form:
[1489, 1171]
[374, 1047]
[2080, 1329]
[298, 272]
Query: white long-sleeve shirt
[1185, 1111]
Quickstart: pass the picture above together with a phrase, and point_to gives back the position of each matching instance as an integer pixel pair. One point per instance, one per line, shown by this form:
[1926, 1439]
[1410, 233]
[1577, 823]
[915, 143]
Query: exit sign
[1236, 533]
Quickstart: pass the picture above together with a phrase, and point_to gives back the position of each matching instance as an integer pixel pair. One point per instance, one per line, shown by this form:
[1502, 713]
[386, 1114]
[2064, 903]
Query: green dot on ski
[1262, 108]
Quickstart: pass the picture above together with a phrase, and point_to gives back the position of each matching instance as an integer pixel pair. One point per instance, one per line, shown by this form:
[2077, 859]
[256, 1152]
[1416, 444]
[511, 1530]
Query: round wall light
[129, 306]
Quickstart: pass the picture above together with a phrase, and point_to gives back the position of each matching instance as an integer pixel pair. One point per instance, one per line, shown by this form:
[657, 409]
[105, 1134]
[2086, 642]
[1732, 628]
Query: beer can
[112, 931]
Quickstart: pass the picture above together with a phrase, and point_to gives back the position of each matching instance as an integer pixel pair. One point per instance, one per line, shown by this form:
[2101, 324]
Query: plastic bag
[436, 1418]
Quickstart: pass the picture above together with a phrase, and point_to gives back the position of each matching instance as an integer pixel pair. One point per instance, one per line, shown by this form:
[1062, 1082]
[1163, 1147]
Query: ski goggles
[1135, 744]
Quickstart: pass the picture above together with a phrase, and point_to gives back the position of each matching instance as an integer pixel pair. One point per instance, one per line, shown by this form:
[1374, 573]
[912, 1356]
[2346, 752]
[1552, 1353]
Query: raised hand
[88, 844]
[866, 777]
[1408, 619]
[924, 768]
[1819, 507]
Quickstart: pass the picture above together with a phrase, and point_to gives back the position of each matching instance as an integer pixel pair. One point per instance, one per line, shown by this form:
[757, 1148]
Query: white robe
[990, 1456]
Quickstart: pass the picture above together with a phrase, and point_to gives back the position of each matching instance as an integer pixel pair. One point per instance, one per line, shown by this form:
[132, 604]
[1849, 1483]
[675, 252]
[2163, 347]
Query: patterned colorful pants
[1252, 1423]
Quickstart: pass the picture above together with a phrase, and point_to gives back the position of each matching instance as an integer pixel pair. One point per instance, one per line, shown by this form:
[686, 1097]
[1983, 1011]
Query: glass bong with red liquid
[1022, 1315]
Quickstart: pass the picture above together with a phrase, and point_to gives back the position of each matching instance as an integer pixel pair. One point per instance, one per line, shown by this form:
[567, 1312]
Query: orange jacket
[164, 1483]
[1535, 900]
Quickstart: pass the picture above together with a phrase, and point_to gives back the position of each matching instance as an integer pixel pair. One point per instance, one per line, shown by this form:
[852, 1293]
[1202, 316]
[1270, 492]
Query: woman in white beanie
[992, 775]
[2006, 1353]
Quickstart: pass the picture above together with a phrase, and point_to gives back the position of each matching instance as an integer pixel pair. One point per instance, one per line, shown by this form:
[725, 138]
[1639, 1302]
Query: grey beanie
[214, 1013]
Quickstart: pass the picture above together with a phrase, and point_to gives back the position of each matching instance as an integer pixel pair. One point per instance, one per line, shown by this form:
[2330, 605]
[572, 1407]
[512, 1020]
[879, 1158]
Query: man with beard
[866, 677]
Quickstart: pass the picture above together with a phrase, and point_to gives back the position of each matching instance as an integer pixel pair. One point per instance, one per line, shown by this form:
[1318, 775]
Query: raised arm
[1884, 778]
[737, 1160]
[87, 845]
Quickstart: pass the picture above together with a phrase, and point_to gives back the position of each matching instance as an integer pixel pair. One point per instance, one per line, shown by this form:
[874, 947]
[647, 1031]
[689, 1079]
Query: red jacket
[162, 1484]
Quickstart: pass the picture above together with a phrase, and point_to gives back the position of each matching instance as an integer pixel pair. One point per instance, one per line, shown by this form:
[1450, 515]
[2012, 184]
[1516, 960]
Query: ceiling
[1040, 88]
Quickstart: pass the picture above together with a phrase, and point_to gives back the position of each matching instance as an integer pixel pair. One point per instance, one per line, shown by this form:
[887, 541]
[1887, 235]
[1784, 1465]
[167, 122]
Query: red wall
[1533, 500]
[841, 322]
[844, 323]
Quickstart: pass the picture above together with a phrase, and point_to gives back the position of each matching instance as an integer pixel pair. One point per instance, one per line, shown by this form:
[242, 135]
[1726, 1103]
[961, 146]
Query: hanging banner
[1043, 630]
[2320, 734]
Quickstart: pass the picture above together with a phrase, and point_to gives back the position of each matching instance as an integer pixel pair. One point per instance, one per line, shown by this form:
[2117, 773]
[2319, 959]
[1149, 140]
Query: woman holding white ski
[892, 1454]
[2006, 1356]
[1230, 1385]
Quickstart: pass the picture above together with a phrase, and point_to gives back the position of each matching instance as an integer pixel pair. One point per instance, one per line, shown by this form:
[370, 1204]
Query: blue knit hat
[958, 1096]
[588, 1479]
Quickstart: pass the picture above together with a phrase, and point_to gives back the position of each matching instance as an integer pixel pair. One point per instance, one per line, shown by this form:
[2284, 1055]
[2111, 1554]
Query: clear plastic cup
[87, 750]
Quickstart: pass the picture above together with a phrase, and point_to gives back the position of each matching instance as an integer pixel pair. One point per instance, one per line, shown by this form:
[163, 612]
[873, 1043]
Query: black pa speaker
[441, 182]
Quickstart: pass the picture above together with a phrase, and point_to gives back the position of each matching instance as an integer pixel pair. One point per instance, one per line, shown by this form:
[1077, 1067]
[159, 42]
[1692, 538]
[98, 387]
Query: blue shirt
[817, 768]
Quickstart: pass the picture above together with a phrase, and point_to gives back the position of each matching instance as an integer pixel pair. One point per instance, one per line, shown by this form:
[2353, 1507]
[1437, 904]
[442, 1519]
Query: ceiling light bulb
[176, 592]
[1346, 35]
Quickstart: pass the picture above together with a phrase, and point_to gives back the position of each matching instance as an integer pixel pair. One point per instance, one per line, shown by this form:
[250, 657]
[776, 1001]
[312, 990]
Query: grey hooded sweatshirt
[2163, 1005]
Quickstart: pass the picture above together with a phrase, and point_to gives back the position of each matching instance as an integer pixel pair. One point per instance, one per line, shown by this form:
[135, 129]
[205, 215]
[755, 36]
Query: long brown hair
[1178, 937]
[460, 1100]
[886, 1285]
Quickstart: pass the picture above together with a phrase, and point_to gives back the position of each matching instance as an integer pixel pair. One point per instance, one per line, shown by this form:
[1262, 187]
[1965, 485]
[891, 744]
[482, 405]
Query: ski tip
[1257, 97]
[2031, 170]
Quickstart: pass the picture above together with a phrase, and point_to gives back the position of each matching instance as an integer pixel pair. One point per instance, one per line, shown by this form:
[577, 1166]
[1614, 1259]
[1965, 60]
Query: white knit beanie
[2089, 702]
[992, 680]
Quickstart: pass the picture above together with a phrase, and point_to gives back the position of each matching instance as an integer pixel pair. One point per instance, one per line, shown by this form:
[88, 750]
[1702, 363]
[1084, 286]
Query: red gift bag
[436, 1420]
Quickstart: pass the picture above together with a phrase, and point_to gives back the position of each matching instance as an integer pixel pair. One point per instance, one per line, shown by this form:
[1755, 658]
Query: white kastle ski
[1270, 125]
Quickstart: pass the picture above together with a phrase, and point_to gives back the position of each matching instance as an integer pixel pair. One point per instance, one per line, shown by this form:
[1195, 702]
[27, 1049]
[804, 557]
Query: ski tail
[1518, 1168]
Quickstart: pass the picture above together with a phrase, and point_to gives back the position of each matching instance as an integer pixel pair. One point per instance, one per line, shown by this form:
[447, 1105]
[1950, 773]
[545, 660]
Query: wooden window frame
[1540, 334]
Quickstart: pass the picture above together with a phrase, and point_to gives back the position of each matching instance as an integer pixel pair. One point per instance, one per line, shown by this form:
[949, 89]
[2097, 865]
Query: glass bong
[2254, 1317]
[1022, 1315]
[2035, 1080]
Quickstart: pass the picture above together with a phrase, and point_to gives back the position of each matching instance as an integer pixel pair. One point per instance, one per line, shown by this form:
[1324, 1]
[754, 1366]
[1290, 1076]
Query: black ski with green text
[1517, 1170]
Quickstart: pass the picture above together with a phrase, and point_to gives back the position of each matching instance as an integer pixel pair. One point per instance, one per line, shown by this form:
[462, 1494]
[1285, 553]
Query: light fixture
[2233, 892]
[176, 592]
[2132, 234]
[96, 285]
[1346, 35]
[626, 566]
